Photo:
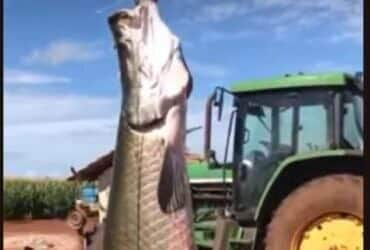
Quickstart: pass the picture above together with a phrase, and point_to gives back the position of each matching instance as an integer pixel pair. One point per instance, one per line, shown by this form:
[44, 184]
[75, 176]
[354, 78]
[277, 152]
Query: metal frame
[333, 139]
[333, 101]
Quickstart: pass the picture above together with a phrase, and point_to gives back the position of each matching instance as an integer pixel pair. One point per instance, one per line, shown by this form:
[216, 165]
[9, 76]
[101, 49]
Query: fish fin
[189, 85]
[172, 184]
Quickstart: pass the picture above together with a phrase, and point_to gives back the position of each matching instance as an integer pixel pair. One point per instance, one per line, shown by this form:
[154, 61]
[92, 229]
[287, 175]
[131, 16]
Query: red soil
[41, 234]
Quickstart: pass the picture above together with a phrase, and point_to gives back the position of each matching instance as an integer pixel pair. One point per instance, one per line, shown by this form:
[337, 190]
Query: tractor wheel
[325, 213]
[76, 220]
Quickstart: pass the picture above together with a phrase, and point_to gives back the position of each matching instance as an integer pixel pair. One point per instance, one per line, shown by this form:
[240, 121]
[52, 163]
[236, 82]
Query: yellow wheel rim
[331, 232]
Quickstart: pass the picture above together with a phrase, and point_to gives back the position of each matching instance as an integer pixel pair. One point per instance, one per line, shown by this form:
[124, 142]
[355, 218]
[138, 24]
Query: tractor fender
[296, 170]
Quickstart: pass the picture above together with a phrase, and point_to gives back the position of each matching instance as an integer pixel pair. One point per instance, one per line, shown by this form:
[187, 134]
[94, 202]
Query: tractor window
[352, 125]
[257, 139]
[280, 124]
[286, 125]
[313, 128]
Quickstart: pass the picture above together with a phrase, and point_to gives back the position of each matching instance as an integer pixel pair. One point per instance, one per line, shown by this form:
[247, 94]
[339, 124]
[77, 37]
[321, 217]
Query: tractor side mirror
[219, 103]
[208, 125]
[214, 100]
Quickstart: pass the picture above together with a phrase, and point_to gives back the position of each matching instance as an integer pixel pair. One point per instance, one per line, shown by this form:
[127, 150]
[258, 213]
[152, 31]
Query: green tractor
[296, 161]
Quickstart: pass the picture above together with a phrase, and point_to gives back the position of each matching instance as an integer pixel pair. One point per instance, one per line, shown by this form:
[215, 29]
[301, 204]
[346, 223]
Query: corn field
[38, 199]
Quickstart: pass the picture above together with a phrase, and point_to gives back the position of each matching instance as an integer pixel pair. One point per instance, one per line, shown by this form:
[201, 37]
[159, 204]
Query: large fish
[150, 200]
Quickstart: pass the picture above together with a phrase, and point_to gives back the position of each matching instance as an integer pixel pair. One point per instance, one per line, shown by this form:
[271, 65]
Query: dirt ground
[40, 234]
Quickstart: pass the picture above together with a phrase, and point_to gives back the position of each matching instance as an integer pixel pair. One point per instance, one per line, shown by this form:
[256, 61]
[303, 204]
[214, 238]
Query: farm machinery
[297, 161]
[292, 172]
[84, 216]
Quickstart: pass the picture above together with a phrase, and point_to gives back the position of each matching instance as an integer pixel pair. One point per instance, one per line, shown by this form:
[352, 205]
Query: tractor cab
[276, 119]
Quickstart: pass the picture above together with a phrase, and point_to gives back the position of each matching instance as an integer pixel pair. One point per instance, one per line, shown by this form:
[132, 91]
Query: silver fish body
[135, 220]
[150, 201]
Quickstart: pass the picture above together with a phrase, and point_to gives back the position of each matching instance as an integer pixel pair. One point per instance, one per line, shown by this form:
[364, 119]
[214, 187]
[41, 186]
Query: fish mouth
[124, 18]
[114, 18]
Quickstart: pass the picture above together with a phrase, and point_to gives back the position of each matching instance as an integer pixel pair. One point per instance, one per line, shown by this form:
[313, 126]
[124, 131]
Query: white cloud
[212, 35]
[59, 52]
[271, 3]
[348, 15]
[350, 35]
[47, 133]
[109, 7]
[17, 76]
[207, 69]
[325, 66]
[344, 17]
[67, 128]
[213, 11]
[30, 107]
[220, 11]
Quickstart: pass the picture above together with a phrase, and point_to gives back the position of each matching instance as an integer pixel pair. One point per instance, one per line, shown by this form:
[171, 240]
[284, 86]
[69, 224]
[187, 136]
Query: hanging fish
[150, 201]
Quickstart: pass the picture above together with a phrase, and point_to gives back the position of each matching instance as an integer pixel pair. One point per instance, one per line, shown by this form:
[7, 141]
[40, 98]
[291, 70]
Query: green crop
[38, 198]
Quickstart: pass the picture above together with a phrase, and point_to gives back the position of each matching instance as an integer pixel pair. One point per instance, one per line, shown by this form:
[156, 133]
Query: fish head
[126, 28]
[150, 62]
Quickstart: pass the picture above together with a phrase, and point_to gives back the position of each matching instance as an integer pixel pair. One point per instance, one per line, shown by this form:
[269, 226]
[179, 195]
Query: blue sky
[62, 91]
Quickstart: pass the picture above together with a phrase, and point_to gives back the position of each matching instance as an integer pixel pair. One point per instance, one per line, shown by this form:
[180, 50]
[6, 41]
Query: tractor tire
[325, 213]
[76, 220]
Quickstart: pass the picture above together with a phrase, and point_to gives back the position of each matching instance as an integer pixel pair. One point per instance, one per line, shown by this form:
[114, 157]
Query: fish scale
[136, 220]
